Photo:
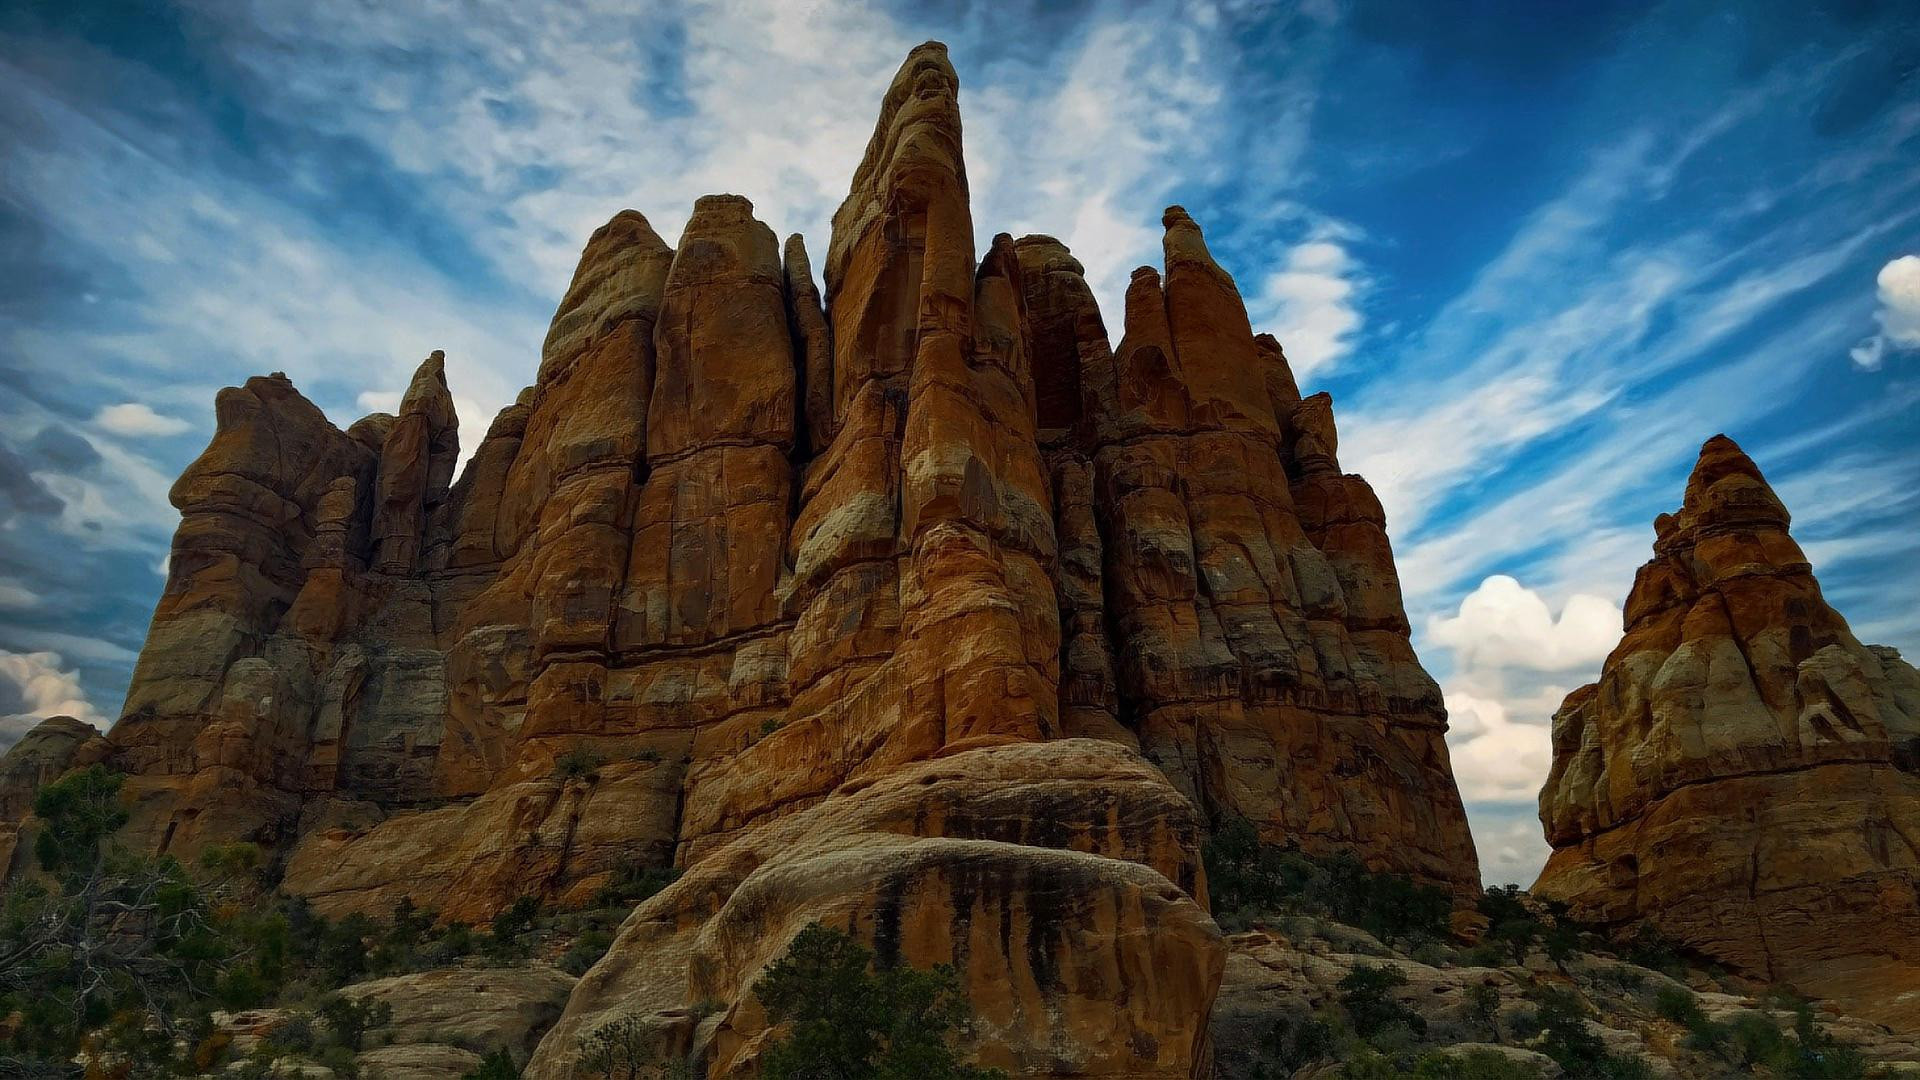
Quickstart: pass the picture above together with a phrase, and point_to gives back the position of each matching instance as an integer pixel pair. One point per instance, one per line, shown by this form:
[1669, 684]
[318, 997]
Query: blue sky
[1538, 253]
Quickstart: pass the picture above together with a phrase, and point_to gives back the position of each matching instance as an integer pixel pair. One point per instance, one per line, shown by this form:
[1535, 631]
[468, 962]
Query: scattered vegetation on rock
[846, 1017]
[126, 963]
[1249, 880]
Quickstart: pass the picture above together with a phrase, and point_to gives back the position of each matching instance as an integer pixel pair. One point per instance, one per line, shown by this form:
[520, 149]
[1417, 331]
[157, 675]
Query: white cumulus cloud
[1504, 624]
[1899, 314]
[1495, 757]
[1513, 661]
[135, 420]
[33, 686]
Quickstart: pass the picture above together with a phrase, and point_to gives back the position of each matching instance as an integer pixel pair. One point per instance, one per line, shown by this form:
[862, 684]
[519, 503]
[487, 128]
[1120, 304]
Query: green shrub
[1367, 1063]
[1515, 928]
[1366, 993]
[1817, 1055]
[1561, 1019]
[77, 813]
[296, 1033]
[1754, 1040]
[1647, 948]
[633, 883]
[1293, 1043]
[517, 919]
[850, 1020]
[1248, 879]
[340, 1059]
[1679, 1005]
[586, 951]
[1620, 977]
[624, 1049]
[1483, 1005]
[497, 1065]
[347, 1021]
[577, 762]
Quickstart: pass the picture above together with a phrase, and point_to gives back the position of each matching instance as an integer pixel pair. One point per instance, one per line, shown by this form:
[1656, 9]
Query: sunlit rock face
[905, 603]
[1743, 774]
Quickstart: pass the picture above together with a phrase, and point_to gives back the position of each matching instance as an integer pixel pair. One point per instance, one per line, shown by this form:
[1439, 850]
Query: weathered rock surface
[1287, 977]
[756, 567]
[1743, 774]
[472, 1010]
[439, 1026]
[1072, 916]
[42, 754]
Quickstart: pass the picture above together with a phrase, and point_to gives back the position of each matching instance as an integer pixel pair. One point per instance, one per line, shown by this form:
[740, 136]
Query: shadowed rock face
[1743, 774]
[910, 606]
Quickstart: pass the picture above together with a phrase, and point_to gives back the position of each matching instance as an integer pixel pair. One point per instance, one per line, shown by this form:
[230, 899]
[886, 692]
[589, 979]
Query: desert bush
[347, 1021]
[497, 1065]
[1679, 1005]
[1565, 1036]
[1366, 993]
[586, 951]
[577, 762]
[624, 1048]
[1249, 879]
[633, 883]
[849, 1019]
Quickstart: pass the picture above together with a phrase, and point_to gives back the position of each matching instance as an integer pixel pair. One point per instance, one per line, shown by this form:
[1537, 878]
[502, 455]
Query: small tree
[1367, 994]
[625, 1048]
[849, 1021]
[77, 813]
[497, 1065]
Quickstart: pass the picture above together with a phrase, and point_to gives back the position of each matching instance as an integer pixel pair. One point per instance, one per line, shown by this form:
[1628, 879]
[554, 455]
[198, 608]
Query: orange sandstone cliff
[912, 605]
[1743, 776]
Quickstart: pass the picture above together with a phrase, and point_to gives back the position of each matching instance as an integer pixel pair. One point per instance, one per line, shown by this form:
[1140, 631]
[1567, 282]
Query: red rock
[914, 610]
[416, 467]
[1738, 774]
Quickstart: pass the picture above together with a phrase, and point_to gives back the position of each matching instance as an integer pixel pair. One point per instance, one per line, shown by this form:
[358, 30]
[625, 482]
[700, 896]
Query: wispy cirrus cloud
[1312, 303]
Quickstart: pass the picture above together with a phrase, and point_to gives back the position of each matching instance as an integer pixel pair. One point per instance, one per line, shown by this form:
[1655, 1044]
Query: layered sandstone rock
[1249, 606]
[1743, 774]
[55, 745]
[1072, 920]
[906, 603]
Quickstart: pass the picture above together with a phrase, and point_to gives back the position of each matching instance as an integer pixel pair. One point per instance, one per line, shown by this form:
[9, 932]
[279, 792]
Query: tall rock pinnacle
[905, 604]
[1743, 774]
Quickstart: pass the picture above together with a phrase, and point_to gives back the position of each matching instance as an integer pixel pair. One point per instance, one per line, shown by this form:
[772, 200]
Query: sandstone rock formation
[1742, 777]
[42, 754]
[909, 605]
[438, 1024]
[1490, 1004]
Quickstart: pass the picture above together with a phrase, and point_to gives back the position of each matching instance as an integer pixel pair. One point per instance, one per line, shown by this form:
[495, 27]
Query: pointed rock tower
[906, 604]
[1743, 776]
